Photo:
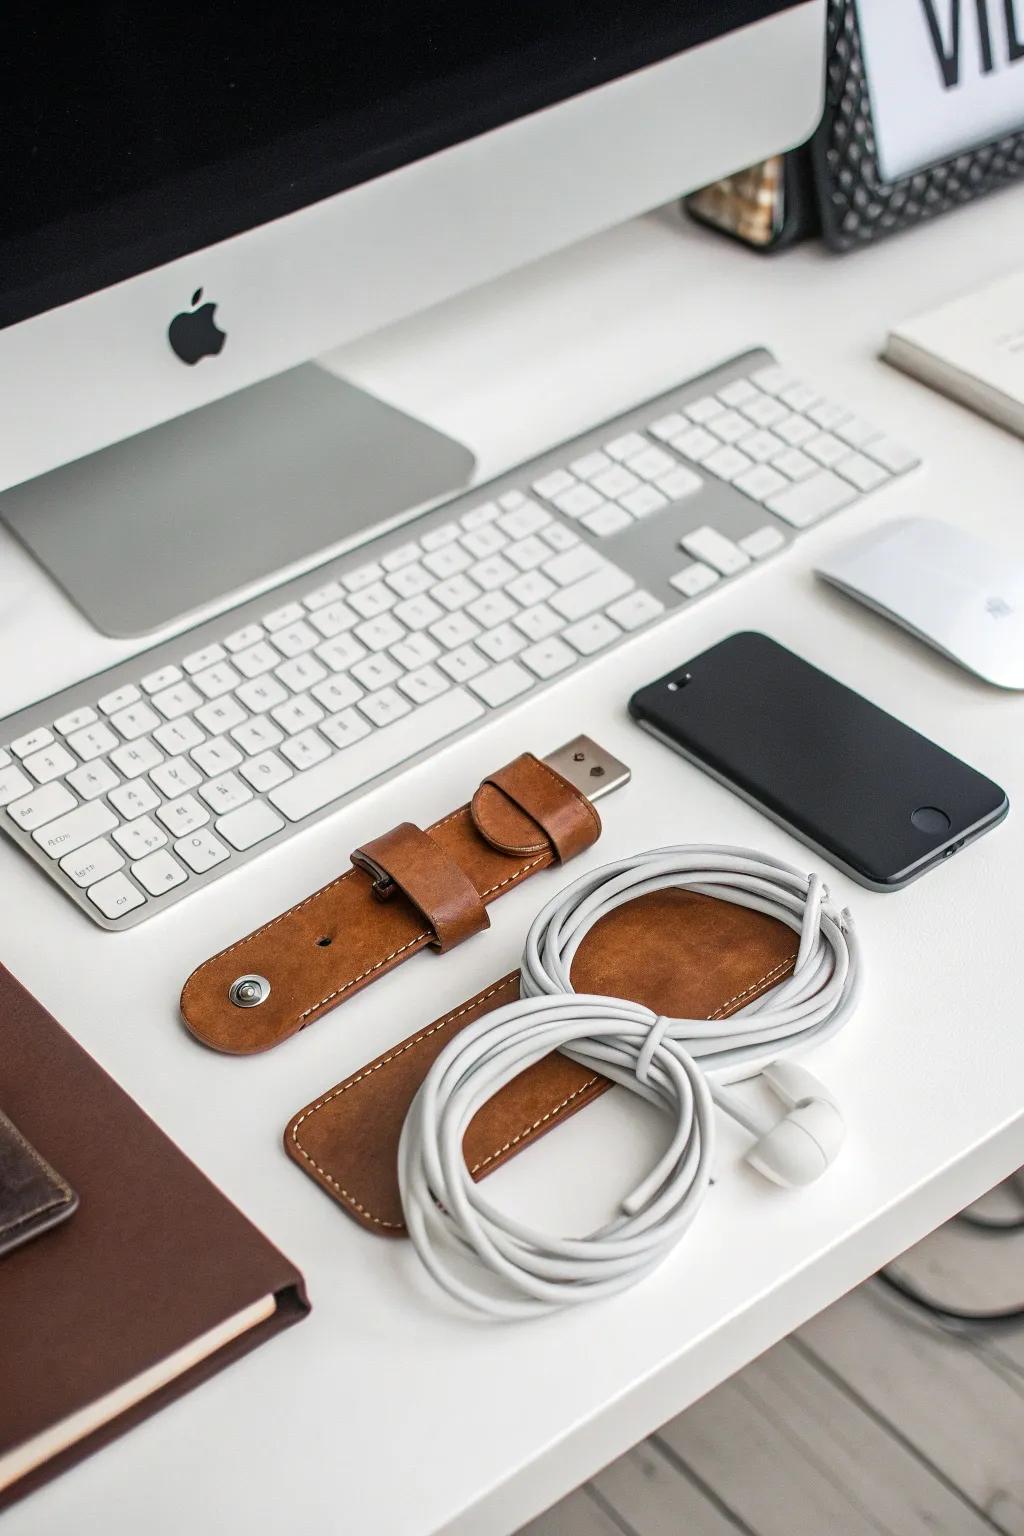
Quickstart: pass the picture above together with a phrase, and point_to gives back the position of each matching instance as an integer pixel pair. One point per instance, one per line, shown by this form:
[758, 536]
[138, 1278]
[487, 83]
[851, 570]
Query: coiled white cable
[508, 1269]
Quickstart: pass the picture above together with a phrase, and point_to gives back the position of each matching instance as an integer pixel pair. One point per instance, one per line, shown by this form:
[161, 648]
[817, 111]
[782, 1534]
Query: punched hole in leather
[407, 890]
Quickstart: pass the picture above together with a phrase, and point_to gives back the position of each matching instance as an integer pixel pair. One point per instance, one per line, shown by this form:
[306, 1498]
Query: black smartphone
[875, 797]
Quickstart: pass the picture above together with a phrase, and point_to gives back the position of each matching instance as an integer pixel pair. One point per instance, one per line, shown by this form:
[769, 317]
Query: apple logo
[194, 333]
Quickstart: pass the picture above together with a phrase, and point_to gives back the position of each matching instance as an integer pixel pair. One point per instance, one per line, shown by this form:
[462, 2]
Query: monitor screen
[133, 134]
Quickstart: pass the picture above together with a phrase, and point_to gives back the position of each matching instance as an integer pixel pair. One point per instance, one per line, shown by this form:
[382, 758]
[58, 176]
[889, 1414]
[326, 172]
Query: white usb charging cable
[502, 1266]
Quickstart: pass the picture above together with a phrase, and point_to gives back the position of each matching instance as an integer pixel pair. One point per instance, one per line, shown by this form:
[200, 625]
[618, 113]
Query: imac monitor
[195, 202]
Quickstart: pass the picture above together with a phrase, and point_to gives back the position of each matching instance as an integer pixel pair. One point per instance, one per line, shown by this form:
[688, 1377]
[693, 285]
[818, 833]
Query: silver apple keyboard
[135, 788]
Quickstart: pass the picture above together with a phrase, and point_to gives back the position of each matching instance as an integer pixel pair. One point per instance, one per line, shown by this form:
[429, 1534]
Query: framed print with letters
[924, 110]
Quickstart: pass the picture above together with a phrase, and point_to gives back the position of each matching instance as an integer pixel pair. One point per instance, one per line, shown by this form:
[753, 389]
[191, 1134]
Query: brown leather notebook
[151, 1285]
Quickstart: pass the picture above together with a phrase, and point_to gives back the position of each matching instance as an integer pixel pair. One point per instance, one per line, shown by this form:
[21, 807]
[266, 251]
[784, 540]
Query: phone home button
[928, 818]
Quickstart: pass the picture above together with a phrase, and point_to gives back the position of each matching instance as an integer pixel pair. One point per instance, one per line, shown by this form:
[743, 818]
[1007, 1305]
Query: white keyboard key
[615, 481]
[175, 777]
[559, 537]
[341, 652]
[266, 771]
[259, 658]
[280, 618]
[120, 698]
[383, 707]
[75, 829]
[730, 427]
[454, 629]
[257, 735]
[679, 483]
[611, 519]
[579, 561]
[491, 609]
[762, 446]
[115, 896]
[487, 513]
[303, 751]
[590, 464]
[484, 541]
[183, 816]
[416, 650]
[492, 573]
[242, 639]
[199, 661]
[529, 552]
[368, 603]
[893, 456]
[263, 693]
[627, 446]
[163, 677]
[220, 715]
[50, 763]
[593, 592]
[91, 780]
[201, 851]
[5, 758]
[178, 736]
[423, 685]
[825, 449]
[762, 542]
[555, 484]
[826, 414]
[437, 538]
[34, 741]
[134, 799]
[668, 427]
[703, 410]
[651, 463]
[376, 672]
[177, 700]
[591, 634]
[696, 444]
[334, 619]
[362, 576]
[159, 872]
[855, 432]
[795, 465]
[140, 837]
[462, 664]
[811, 499]
[799, 397]
[532, 587]
[321, 596]
[795, 430]
[298, 714]
[419, 612]
[549, 657]
[218, 679]
[738, 392]
[509, 500]
[139, 757]
[861, 471]
[448, 561]
[635, 609]
[75, 721]
[694, 579]
[378, 634]
[93, 862]
[454, 594]
[135, 721]
[524, 520]
[93, 741]
[501, 643]
[345, 728]
[538, 622]
[336, 693]
[582, 498]
[714, 549]
[644, 500]
[405, 554]
[356, 764]
[499, 684]
[727, 463]
[40, 806]
[773, 379]
[296, 638]
[249, 825]
[761, 481]
[763, 412]
[228, 791]
[217, 755]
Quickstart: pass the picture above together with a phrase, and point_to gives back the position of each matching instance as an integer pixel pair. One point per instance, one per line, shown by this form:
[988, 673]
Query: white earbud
[798, 1148]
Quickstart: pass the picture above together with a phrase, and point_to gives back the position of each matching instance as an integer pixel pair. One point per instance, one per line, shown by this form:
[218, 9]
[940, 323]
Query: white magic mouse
[946, 586]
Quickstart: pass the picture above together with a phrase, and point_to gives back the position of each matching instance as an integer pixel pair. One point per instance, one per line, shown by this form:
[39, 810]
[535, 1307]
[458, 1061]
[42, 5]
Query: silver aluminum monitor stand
[166, 522]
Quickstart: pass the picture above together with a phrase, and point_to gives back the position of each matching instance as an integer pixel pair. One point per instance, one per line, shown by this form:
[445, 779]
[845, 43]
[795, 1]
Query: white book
[971, 349]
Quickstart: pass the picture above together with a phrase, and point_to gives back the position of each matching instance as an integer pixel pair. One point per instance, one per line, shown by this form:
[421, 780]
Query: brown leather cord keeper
[406, 859]
[340, 939]
[681, 954]
[536, 789]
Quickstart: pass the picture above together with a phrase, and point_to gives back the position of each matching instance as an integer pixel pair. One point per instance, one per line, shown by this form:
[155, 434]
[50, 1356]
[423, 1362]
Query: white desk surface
[386, 1413]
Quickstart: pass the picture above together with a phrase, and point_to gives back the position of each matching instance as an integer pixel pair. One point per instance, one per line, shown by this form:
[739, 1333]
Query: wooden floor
[870, 1421]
